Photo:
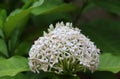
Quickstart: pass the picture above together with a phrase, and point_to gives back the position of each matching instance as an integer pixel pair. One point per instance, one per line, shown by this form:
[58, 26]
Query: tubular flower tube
[63, 49]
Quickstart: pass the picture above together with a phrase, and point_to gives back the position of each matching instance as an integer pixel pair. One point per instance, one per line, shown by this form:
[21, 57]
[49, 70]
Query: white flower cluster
[64, 48]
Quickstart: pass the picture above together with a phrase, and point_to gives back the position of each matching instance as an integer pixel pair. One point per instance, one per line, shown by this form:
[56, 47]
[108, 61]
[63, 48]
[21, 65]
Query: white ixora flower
[63, 49]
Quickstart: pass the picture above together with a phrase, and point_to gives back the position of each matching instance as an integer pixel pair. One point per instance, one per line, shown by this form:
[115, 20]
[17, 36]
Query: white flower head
[63, 50]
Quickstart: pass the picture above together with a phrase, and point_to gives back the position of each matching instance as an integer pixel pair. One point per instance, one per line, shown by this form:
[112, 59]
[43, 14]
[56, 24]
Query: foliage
[23, 21]
[12, 66]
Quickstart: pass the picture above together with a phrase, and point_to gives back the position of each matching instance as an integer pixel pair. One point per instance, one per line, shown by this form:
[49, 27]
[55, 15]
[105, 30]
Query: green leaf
[13, 42]
[109, 62]
[16, 20]
[3, 48]
[52, 6]
[32, 3]
[46, 20]
[1, 33]
[105, 33]
[18, 76]
[88, 7]
[41, 75]
[25, 1]
[13, 65]
[23, 48]
[49, 75]
[103, 75]
[3, 16]
[37, 3]
[109, 5]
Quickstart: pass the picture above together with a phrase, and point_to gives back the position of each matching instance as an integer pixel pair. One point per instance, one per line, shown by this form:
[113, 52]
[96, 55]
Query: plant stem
[6, 41]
